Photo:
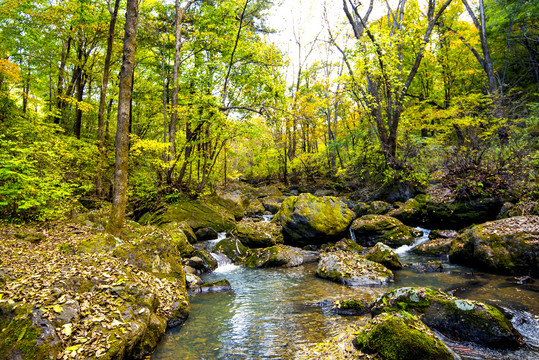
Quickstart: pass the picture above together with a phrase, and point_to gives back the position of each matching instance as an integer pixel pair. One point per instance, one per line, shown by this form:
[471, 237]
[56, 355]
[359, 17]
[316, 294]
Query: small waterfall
[211, 243]
[224, 264]
[221, 259]
[353, 235]
[267, 218]
[418, 241]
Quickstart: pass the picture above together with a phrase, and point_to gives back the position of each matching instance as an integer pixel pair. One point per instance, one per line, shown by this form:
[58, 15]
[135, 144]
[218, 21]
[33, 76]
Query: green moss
[98, 243]
[401, 336]
[65, 248]
[233, 249]
[19, 335]
[199, 214]
[417, 299]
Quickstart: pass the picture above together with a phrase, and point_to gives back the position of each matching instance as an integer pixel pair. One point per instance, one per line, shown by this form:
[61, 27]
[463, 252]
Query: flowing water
[272, 313]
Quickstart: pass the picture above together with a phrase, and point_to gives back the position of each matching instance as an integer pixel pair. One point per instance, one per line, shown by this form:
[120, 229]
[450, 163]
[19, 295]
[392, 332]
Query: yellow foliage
[9, 70]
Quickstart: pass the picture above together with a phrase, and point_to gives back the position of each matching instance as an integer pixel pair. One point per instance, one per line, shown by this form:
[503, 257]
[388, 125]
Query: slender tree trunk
[107, 122]
[26, 92]
[180, 13]
[60, 103]
[163, 79]
[486, 61]
[103, 99]
[117, 213]
[78, 111]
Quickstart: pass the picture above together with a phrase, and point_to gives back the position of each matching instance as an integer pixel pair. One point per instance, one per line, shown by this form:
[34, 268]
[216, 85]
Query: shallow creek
[272, 313]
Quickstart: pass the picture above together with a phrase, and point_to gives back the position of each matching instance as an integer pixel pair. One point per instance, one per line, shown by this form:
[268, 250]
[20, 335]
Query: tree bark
[117, 213]
[102, 97]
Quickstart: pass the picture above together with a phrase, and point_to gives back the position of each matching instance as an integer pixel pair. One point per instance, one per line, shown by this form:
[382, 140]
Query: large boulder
[179, 237]
[399, 336]
[280, 255]
[348, 245]
[206, 213]
[371, 229]
[349, 268]
[258, 234]
[255, 207]
[384, 255]
[458, 319]
[233, 202]
[307, 219]
[153, 251]
[272, 203]
[436, 212]
[439, 243]
[373, 208]
[204, 234]
[508, 246]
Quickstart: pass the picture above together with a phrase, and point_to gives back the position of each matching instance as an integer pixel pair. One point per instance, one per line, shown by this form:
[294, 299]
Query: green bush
[42, 172]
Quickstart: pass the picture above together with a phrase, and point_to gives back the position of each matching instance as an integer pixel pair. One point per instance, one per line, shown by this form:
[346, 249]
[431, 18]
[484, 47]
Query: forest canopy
[399, 93]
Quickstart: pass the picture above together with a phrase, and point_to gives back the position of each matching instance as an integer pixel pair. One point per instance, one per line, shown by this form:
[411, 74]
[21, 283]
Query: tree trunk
[180, 13]
[60, 103]
[102, 98]
[78, 112]
[486, 61]
[117, 213]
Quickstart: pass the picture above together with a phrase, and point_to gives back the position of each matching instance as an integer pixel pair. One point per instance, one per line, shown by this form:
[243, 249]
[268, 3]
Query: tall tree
[180, 14]
[103, 95]
[485, 61]
[388, 80]
[119, 201]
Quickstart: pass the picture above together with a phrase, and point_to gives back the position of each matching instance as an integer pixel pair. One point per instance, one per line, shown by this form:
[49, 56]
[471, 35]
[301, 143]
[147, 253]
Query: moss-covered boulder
[307, 219]
[208, 262]
[98, 243]
[436, 212]
[272, 203]
[274, 256]
[255, 207]
[258, 234]
[371, 229]
[233, 202]
[508, 246]
[25, 334]
[233, 249]
[153, 251]
[372, 208]
[350, 268]
[439, 243]
[384, 255]
[205, 233]
[179, 238]
[351, 307]
[348, 245]
[401, 336]
[267, 191]
[201, 213]
[458, 319]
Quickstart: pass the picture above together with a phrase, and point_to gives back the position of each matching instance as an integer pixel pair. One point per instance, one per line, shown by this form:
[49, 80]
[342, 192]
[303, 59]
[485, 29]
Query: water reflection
[271, 312]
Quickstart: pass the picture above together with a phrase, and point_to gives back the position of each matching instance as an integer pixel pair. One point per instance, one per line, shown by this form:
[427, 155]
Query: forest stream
[273, 313]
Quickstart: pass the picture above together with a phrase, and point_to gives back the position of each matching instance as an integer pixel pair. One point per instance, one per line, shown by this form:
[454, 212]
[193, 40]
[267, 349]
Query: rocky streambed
[326, 277]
